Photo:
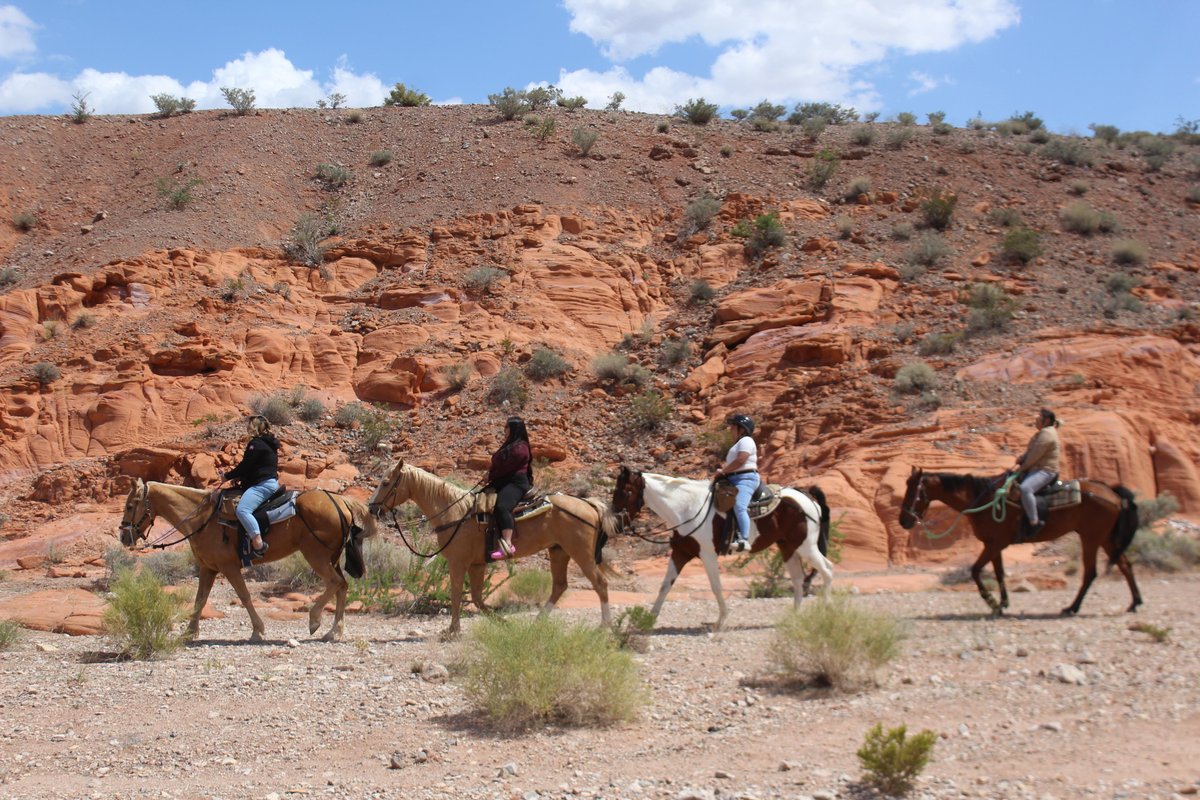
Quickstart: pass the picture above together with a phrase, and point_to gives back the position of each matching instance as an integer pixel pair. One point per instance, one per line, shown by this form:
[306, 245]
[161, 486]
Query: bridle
[638, 500]
[137, 527]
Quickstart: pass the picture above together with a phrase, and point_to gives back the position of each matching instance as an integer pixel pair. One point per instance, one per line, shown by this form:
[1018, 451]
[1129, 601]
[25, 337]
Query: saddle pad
[765, 501]
[1060, 494]
[485, 503]
[280, 506]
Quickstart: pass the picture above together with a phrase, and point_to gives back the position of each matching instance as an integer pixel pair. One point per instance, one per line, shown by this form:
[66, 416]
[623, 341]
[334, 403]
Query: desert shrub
[763, 125]
[241, 100]
[858, 186]
[351, 415]
[1078, 188]
[545, 364]
[1193, 194]
[766, 232]
[178, 195]
[663, 127]
[740, 114]
[1120, 283]
[700, 292]
[529, 587]
[457, 375]
[649, 410]
[966, 147]
[508, 388]
[898, 138]
[401, 95]
[1029, 120]
[1081, 218]
[169, 105]
[50, 329]
[10, 634]
[1021, 245]
[141, 617]
[481, 280]
[768, 111]
[354, 117]
[813, 128]
[906, 118]
[834, 642]
[571, 103]
[1158, 633]
[385, 567]
[335, 100]
[1105, 133]
[610, 367]
[697, 111]
[915, 377]
[1040, 136]
[303, 244]
[381, 158]
[310, 409]
[936, 118]
[169, 567]
[1129, 252]
[892, 760]
[584, 139]
[81, 112]
[929, 249]
[674, 351]
[292, 572]
[862, 136]
[902, 231]
[938, 210]
[25, 221]
[1155, 150]
[117, 559]
[542, 96]
[1166, 552]
[991, 309]
[770, 579]
[630, 627]
[524, 672]
[831, 113]
[45, 373]
[1006, 217]
[543, 128]
[845, 226]
[824, 164]
[332, 176]
[701, 211]
[275, 408]
[937, 344]
[614, 101]
[426, 582]
[83, 320]
[1068, 151]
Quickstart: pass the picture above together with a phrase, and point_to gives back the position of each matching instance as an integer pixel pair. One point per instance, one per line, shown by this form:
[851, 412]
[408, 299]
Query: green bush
[1040, 136]
[674, 351]
[1021, 245]
[858, 186]
[545, 364]
[529, 587]
[701, 212]
[457, 375]
[1068, 151]
[902, 231]
[584, 139]
[937, 344]
[697, 111]
[45, 373]
[938, 210]
[543, 128]
[834, 643]
[81, 112]
[831, 113]
[401, 95]
[571, 103]
[25, 221]
[898, 138]
[1105, 133]
[381, 158]
[310, 409]
[178, 195]
[10, 634]
[351, 415]
[141, 617]
[768, 111]
[83, 320]
[354, 117]
[649, 410]
[892, 760]
[521, 673]
[481, 280]
[508, 388]
[813, 128]
[610, 367]
[385, 566]
[614, 101]
[168, 105]
[824, 164]
[929, 250]
[663, 127]
[767, 232]
[1081, 218]
[991, 309]
[1006, 217]
[427, 583]
[727, 151]
[700, 292]
[241, 100]
[292, 572]
[275, 408]
[862, 136]
[906, 118]
[915, 377]
[169, 567]
[303, 244]
[631, 626]
[1129, 252]
[332, 176]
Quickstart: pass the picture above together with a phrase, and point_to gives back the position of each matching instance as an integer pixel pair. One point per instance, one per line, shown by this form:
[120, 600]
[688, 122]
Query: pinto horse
[1107, 517]
[574, 528]
[324, 525]
[686, 506]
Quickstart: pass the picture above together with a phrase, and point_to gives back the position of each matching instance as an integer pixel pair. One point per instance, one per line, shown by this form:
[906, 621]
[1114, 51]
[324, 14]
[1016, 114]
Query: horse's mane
[431, 483]
[977, 485]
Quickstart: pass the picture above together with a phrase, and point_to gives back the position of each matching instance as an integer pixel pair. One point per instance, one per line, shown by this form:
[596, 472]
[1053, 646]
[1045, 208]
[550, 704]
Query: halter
[386, 501]
[996, 504]
[134, 527]
[673, 529]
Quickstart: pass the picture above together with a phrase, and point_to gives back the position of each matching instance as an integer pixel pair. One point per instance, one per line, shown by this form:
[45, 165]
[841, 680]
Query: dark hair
[1047, 414]
[516, 431]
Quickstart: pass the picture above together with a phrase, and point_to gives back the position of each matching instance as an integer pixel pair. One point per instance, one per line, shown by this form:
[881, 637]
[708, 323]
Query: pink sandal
[506, 551]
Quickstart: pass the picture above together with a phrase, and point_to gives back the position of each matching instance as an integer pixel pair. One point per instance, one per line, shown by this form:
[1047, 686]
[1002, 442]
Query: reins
[456, 524]
[158, 544]
[674, 529]
[997, 504]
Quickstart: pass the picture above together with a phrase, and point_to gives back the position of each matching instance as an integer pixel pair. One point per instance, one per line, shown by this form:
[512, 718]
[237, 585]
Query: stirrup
[506, 551]
[259, 552]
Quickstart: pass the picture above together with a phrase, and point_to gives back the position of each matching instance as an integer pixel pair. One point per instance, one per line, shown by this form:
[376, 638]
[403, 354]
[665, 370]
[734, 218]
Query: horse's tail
[1126, 525]
[362, 526]
[823, 537]
[608, 524]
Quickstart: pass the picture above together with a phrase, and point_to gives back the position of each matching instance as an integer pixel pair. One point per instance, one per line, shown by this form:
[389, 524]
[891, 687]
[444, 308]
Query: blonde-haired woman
[258, 477]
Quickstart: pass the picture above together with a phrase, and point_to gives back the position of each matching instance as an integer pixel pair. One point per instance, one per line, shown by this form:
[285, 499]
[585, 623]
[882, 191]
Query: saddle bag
[765, 500]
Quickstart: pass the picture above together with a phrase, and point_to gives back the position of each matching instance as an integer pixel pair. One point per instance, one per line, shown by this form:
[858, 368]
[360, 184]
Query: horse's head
[139, 516]
[628, 494]
[916, 499]
[392, 492]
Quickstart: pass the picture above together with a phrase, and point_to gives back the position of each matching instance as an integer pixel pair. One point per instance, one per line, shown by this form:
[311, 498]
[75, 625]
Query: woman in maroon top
[511, 475]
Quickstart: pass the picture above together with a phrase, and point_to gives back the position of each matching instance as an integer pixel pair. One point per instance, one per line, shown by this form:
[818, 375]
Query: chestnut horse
[574, 528]
[1107, 517]
[799, 527]
[323, 526]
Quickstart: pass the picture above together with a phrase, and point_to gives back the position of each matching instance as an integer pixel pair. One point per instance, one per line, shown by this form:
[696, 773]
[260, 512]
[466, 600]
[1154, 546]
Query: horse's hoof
[332, 636]
[256, 637]
[449, 635]
[313, 625]
[1068, 612]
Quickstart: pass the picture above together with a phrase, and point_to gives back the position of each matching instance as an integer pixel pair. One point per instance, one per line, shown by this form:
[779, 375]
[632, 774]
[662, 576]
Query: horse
[324, 525]
[574, 528]
[1107, 517]
[686, 506]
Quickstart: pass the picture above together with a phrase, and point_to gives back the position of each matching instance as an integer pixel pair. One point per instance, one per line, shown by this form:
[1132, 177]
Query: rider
[258, 477]
[1039, 465]
[511, 475]
[741, 471]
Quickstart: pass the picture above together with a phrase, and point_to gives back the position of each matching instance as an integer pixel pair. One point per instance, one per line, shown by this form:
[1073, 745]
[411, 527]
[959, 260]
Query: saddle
[278, 507]
[533, 504]
[765, 500]
[1056, 494]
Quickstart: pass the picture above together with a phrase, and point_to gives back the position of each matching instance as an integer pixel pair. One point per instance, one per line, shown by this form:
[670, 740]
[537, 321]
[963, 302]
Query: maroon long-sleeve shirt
[509, 461]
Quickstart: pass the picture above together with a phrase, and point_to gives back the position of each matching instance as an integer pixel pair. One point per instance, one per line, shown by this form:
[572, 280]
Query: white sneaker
[742, 545]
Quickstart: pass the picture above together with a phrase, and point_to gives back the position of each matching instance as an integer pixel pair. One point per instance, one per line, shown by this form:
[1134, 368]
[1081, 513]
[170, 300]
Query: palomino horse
[686, 506]
[574, 529]
[1107, 517]
[323, 526]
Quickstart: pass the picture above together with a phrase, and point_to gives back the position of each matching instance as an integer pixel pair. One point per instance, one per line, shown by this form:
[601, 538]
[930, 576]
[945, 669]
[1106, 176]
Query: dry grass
[834, 643]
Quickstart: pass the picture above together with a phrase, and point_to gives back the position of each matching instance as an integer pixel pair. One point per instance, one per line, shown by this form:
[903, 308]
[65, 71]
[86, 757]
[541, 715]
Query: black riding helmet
[743, 422]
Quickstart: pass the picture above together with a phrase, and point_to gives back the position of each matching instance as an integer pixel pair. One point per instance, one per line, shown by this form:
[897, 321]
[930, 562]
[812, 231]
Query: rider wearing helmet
[258, 477]
[1039, 464]
[741, 471]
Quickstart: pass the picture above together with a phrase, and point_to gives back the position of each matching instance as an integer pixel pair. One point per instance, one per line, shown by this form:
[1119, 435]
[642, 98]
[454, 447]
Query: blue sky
[1073, 62]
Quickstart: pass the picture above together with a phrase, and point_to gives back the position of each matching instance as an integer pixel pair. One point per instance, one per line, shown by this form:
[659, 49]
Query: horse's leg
[810, 552]
[337, 586]
[998, 568]
[234, 576]
[682, 551]
[808, 579]
[324, 571]
[591, 570]
[338, 631]
[977, 575]
[1089, 574]
[475, 576]
[207, 576]
[559, 561]
[1127, 570]
[709, 558]
[457, 572]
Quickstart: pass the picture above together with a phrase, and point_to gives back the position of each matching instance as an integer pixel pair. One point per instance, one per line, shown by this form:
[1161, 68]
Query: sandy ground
[295, 717]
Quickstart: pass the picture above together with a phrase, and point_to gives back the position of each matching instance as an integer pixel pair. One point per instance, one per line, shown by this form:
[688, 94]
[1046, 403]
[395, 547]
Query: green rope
[996, 504]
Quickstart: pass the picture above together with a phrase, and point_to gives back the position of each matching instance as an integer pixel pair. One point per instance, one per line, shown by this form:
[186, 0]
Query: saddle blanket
[280, 506]
[765, 500]
[1060, 494]
[532, 505]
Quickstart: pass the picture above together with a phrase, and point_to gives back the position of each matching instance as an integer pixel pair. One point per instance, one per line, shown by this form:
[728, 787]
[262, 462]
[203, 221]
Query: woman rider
[1039, 463]
[258, 477]
[741, 471]
[511, 475]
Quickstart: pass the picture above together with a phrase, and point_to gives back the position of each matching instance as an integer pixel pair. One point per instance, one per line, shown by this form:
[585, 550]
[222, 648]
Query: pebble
[1052, 726]
[1068, 673]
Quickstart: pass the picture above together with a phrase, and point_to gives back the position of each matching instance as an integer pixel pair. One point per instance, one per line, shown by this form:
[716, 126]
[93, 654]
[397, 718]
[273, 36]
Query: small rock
[509, 769]
[42, 647]
[1068, 673]
[692, 793]
[293, 643]
[1085, 658]
[1052, 726]
[824, 794]
[433, 672]
[723, 775]
[1022, 652]
[788, 766]
[397, 761]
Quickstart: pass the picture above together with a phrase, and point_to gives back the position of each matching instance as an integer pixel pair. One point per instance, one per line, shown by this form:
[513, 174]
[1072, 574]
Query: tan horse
[323, 526]
[574, 529]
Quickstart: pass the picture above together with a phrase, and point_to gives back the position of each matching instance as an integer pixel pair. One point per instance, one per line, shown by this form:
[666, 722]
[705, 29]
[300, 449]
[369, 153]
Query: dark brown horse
[1107, 517]
[799, 527]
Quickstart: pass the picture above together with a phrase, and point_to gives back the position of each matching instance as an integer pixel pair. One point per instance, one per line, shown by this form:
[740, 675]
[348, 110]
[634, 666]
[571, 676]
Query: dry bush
[141, 616]
[528, 587]
[834, 643]
[915, 377]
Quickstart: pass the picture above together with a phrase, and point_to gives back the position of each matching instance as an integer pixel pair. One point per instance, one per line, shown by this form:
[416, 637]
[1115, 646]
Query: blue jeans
[745, 483]
[252, 498]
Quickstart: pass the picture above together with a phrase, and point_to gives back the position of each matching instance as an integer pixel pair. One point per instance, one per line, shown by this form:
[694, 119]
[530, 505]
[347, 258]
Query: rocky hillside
[475, 267]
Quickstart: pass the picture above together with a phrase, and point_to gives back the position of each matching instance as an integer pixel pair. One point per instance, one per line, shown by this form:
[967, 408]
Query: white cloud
[277, 83]
[924, 82]
[777, 49]
[16, 32]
